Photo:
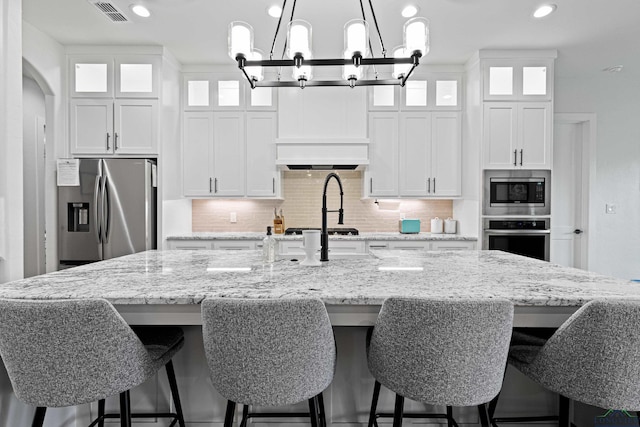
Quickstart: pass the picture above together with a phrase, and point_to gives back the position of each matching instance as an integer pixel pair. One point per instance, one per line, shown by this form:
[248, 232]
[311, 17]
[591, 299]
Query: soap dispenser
[269, 247]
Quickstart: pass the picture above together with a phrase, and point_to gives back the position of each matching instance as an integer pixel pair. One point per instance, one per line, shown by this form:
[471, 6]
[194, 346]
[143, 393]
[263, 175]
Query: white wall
[615, 100]
[33, 170]
[47, 61]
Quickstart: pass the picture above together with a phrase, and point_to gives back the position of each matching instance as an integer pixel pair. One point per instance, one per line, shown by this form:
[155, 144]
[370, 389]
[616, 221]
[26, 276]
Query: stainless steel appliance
[529, 237]
[517, 192]
[111, 213]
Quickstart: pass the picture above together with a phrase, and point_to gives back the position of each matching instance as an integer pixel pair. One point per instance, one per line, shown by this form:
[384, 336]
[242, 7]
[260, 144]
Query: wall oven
[529, 237]
[517, 192]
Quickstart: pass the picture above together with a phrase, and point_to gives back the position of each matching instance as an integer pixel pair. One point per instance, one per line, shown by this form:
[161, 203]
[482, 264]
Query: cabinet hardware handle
[210, 185]
[370, 185]
[215, 185]
[434, 185]
[108, 136]
[115, 140]
[515, 157]
[521, 156]
[273, 181]
[429, 185]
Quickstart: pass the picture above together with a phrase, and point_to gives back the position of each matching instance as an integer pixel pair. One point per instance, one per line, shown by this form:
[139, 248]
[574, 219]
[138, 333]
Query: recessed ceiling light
[544, 10]
[613, 69]
[275, 11]
[140, 10]
[409, 11]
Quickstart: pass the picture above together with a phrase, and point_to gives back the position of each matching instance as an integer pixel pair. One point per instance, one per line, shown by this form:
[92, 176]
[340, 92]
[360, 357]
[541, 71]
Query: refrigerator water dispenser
[78, 217]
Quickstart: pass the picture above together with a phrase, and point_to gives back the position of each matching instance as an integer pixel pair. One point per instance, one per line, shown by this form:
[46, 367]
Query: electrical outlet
[610, 208]
[402, 215]
[233, 218]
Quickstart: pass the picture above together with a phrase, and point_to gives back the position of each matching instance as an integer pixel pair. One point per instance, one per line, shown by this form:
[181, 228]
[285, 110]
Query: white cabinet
[429, 154]
[189, 245]
[517, 135]
[518, 79]
[228, 154]
[409, 244]
[222, 151]
[452, 245]
[125, 126]
[263, 177]
[381, 178]
[235, 245]
[288, 248]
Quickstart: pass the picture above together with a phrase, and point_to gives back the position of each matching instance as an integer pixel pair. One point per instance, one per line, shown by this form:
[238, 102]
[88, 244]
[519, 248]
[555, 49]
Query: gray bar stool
[269, 353]
[439, 352]
[594, 358]
[70, 352]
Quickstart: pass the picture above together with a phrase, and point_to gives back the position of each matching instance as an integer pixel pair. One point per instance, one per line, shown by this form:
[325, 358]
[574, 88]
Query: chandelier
[297, 53]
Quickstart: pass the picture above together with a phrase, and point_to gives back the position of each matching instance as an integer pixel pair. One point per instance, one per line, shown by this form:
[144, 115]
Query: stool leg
[449, 416]
[101, 403]
[484, 415]
[245, 415]
[313, 411]
[398, 411]
[38, 417]
[228, 416]
[125, 409]
[171, 375]
[323, 416]
[374, 405]
[565, 407]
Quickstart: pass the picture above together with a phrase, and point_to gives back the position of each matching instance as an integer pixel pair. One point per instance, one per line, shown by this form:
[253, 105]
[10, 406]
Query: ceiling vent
[110, 11]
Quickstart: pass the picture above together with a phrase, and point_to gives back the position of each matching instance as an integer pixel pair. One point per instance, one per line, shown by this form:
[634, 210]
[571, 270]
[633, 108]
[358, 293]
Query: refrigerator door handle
[106, 197]
[97, 217]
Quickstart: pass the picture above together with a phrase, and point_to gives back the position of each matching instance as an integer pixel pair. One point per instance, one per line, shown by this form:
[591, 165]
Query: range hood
[322, 153]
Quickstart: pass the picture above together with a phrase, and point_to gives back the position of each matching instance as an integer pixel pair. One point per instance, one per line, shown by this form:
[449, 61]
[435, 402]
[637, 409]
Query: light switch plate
[233, 218]
[610, 208]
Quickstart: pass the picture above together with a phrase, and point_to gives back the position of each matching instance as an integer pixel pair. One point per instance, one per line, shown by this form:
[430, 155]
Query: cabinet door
[197, 154]
[262, 173]
[414, 154]
[446, 145]
[136, 126]
[499, 135]
[228, 154]
[91, 126]
[534, 135]
[189, 245]
[383, 155]
[453, 245]
[137, 76]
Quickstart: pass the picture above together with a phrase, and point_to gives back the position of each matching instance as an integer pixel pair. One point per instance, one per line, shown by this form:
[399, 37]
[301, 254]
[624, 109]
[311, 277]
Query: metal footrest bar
[417, 415]
[525, 419]
[150, 415]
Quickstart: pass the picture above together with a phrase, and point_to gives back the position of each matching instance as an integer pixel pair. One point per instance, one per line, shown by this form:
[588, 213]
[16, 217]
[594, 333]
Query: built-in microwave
[517, 192]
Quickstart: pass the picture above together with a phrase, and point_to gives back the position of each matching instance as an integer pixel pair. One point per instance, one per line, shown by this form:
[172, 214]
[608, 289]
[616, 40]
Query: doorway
[34, 152]
[572, 177]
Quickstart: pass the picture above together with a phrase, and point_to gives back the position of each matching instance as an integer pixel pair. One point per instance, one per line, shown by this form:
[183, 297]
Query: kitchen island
[166, 287]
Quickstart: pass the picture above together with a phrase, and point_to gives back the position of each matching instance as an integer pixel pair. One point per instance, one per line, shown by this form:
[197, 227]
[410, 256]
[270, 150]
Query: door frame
[588, 123]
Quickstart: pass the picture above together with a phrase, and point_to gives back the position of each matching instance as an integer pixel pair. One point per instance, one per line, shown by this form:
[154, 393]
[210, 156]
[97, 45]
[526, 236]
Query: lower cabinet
[452, 245]
[190, 245]
[229, 245]
[342, 247]
[433, 245]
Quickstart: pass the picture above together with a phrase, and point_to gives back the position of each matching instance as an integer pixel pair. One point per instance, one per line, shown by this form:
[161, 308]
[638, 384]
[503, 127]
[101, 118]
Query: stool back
[442, 352]
[594, 357]
[69, 352]
[268, 352]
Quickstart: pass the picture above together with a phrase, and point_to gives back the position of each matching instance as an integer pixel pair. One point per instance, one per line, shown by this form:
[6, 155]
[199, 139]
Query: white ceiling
[589, 34]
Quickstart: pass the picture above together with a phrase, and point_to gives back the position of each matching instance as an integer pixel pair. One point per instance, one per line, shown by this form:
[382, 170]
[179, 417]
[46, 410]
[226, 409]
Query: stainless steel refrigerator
[111, 213]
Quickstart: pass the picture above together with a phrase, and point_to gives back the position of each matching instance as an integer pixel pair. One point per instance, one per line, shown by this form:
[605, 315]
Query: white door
[197, 154]
[136, 126]
[91, 126]
[414, 152]
[571, 176]
[534, 135]
[228, 154]
[500, 134]
[262, 173]
[446, 144]
[383, 155]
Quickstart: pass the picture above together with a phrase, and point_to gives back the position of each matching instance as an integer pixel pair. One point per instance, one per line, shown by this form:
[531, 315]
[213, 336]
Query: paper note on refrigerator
[68, 172]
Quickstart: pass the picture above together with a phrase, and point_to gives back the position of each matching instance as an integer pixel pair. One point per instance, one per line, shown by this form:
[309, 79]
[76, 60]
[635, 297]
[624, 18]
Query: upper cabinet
[115, 76]
[225, 92]
[430, 92]
[518, 79]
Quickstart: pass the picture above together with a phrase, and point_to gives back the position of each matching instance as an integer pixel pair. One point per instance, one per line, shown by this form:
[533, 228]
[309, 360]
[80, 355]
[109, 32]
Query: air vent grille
[110, 11]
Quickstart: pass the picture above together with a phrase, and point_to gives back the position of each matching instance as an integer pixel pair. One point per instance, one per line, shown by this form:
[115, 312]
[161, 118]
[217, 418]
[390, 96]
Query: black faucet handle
[340, 216]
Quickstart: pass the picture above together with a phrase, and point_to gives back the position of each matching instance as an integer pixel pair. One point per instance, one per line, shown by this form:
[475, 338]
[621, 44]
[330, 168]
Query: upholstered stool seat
[269, 352]
[594, 358]
[70, 352]
[440, 352]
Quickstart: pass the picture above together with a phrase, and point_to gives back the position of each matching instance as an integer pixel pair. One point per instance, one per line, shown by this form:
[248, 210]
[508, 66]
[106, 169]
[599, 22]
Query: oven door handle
[521, 232]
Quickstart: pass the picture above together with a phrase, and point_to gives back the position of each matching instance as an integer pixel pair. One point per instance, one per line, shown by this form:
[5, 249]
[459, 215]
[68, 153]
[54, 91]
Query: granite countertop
[186, 277]
[390, 236]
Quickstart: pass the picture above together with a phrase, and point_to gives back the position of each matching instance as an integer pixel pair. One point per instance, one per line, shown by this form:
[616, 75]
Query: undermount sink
[337, 255]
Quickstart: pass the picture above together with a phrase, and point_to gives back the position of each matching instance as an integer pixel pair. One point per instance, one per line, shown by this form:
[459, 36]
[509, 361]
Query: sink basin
[338, 255]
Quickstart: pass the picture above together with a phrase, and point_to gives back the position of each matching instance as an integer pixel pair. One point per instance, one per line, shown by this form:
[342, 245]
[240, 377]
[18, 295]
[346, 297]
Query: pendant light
[240, 40]
[416, 36]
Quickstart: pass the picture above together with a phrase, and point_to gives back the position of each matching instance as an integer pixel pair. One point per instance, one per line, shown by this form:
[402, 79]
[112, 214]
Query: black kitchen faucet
[324, 235]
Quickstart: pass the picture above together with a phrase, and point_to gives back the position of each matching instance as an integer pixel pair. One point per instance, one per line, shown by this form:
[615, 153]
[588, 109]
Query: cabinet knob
[577, 231]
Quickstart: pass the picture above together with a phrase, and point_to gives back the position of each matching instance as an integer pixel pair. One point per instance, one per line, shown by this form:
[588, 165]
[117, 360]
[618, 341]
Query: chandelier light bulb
[302, 73]
[356, 38]
[299, 38]
[240, 39]
[256, 73]
[416, 36]
[351, 72]
[400, 70]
